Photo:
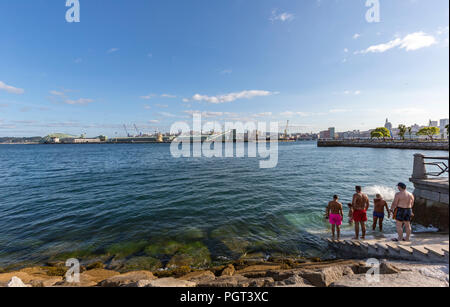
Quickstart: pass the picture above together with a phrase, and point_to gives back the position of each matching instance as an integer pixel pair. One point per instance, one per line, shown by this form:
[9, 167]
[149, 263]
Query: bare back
[404, 200]
[335, 207]
[360, 201]
[379, 205]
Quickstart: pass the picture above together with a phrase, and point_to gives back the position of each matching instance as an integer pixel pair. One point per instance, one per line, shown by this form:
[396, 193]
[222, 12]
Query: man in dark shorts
[379, 205]
[402, 210]
[360, 204]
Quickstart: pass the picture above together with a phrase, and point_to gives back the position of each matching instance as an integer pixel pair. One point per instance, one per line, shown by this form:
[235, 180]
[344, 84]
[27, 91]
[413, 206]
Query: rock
[323, 277]
[293, 281]
[141, 263]
[126, 279]
[261, 282]
[95, 265]
[163, 248]
[170, 282]
[227, 282]
[35, 276]
[123, 250]
[199, 277]
[89, 278]
[387, 268]
[16, 282]
[228, 271]
[259, 268]
[403, 279]
[194, 254]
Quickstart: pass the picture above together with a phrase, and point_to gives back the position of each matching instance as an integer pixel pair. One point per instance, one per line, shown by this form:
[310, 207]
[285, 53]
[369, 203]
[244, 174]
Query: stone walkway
[426, 248]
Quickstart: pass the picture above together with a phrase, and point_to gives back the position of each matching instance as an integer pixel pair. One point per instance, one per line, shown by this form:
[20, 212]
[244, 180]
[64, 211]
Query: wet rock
[199, 277]
[141, 263]
[123, 250]
[34, 276]
[194, 254]
[261, 282]
[387, 268]
[170, 282]
[95, 265]
[228, 271]
[16, 282]
[163, 248]
[126, 279]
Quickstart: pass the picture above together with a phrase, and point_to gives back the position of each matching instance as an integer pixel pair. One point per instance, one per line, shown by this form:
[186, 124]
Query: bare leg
[333, 230]
[408, 230]
[338, 232]
[400, 230]
[363, 230]
[356, 231]
[381, 224]
[374, 226]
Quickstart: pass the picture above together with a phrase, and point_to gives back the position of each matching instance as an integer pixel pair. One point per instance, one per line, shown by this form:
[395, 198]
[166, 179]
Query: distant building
[328, 134]
[442, 123]
[388, 125]
[433, 123]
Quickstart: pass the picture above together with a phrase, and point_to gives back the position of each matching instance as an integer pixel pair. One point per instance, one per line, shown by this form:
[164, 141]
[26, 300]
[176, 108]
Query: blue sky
[152, 63]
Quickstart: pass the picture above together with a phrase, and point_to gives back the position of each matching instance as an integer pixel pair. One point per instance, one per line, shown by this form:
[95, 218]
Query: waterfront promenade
[395, 144]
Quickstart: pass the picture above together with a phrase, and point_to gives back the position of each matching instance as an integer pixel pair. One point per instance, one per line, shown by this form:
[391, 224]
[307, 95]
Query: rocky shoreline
[338, 273]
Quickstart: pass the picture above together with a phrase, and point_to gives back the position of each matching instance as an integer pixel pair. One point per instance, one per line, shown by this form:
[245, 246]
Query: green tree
[381, 132]
[410, 132]
[429, 132]
[402, 131]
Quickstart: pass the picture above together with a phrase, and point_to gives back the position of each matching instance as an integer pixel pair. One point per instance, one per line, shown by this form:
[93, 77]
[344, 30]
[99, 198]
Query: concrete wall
[387, 144]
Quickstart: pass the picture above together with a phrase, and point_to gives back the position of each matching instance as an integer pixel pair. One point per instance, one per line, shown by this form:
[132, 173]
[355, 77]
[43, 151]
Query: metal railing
[440, 163]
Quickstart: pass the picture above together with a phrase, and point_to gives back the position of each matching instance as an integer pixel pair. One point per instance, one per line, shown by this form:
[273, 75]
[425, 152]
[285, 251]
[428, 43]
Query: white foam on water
[386, 192]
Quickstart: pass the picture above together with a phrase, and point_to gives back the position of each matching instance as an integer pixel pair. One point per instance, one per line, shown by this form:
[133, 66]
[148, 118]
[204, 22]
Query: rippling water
[126, 199]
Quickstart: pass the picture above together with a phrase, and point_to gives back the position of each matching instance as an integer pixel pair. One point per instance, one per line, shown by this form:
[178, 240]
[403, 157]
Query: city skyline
[317, 64]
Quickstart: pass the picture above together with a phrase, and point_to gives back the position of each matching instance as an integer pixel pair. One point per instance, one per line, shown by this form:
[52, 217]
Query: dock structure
[425, 248]
[431, 191]
[395, 144]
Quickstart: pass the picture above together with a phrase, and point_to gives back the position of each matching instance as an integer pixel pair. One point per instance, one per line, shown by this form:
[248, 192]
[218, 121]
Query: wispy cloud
[168, 96]
[147, 97]
[10, 89]
[281, 16]
[226, 72]
[231, 96]
[410, 42]
[348, 92]
[356, 36]
[60, 96]
[112, 50]
[81, 101]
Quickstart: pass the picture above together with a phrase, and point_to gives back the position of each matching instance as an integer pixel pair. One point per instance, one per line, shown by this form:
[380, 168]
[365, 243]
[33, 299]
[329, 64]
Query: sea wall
[385, 144]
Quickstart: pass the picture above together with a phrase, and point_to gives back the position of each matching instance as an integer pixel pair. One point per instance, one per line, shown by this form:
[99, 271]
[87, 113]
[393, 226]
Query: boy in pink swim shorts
[335, 215]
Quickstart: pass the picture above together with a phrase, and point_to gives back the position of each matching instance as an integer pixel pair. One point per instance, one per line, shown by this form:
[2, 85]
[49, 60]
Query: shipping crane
[137, 131]
[126, 131]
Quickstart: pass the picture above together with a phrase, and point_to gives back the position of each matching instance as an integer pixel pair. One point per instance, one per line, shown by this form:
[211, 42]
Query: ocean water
[125, 201]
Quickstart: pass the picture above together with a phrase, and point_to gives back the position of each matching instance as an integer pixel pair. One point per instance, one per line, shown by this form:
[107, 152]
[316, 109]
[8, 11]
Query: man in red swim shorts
[360, 205]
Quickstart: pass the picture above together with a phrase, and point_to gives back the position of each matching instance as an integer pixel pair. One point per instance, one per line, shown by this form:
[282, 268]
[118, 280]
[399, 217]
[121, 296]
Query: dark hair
[358, 188]
[350, 205]
[335, 197]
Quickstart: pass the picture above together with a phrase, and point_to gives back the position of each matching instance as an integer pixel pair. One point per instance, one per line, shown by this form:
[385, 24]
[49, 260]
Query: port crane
[137, 131]
[126, 131]
[286, 131]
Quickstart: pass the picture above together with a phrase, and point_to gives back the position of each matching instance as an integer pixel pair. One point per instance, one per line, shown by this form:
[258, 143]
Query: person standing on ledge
[360, 204]
[402, 211]
[335, 215]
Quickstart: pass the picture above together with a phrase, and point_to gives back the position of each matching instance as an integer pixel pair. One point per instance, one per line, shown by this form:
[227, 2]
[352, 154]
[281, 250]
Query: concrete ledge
[386, 144]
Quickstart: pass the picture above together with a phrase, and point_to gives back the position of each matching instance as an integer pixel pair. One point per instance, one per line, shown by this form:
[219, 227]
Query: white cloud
[80, 101]
[410, 42]
[167, 114]
[147, 107]
[226, 72]
[347, 92]
[285, 16]
[112, 50]
[56, 93]
[356, 36]
[147, 97]
[231, 96]
[10, 89]
[263, 114]
[291, 114]
[168, 96]
[153, 121]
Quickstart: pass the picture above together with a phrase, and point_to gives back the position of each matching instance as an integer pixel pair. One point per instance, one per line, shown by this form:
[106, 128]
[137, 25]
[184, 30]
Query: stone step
[420, 253]
[436, 254]
[406, 251]
[393, 250]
